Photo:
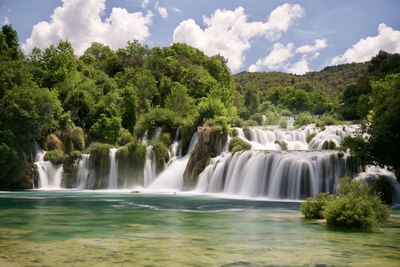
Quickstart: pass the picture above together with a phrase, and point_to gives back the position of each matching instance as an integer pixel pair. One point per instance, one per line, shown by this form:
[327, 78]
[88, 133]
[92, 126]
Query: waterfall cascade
[49, 174]
[282, 164]
[113, 174]
[83, 172]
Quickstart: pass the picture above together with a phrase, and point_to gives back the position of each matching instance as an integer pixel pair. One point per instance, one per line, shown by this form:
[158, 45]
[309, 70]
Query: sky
[254, 35]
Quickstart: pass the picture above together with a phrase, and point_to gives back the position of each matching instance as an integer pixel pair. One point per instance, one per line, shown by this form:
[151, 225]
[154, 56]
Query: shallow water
[39, 228]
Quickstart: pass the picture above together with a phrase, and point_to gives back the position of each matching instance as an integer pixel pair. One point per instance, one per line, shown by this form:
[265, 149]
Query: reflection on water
[89, 228]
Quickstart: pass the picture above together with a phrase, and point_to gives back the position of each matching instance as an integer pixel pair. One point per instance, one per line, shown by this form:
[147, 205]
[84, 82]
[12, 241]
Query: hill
[332, 79]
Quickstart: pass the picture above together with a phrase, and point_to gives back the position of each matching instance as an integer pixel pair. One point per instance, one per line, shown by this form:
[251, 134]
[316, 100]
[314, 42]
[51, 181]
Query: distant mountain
[332, 79]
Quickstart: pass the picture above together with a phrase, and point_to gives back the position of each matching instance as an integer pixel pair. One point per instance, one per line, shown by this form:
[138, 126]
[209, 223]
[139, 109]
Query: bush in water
[303, 118]
[312, 208]
[354, 207]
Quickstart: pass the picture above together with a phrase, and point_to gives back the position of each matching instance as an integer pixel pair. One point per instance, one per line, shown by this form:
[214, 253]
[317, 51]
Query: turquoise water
[39, 228]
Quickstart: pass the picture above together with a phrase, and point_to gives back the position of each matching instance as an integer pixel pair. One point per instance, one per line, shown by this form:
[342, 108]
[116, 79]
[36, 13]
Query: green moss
[310, 137]
[237, 144]
[161, 153]
[131, 160]
[55, 156]
[99, 153]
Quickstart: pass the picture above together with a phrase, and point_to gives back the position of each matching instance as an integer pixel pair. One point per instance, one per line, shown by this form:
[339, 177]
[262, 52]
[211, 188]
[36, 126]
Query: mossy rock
[310, 137]
[237, 144]
[166, 139]
[131, 160]
[161, 153]
[74, 139]
[52, 142]
[99, 152]
[55, 156]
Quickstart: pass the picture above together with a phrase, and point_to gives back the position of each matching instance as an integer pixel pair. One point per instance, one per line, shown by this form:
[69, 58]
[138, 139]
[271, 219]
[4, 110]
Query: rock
[209, 141]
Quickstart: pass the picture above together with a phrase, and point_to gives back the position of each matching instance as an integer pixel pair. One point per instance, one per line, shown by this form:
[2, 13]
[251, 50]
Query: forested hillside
[332, 79]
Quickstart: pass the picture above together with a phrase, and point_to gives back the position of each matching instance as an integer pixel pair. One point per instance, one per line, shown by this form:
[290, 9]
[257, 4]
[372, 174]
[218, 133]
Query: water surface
[39, 228]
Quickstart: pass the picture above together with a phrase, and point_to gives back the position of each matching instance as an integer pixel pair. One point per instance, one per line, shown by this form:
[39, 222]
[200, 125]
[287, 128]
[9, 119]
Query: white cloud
[175, 9]
[387, 39]
[305, 49]
[278, 59]
[80, 22]
[144, 3]
[228, 32]
[300, 67]
[161, 10]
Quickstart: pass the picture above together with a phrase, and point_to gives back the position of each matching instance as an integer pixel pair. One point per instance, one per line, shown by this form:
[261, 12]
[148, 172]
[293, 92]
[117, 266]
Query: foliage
[237, 144]
[55, 156]
[310, 137]
[132, 155]
[303, 118]
[354, 206]
[312, 208]
[52, 142]
[124, 137]
[157, 117]
[327, 120]
[106, 129]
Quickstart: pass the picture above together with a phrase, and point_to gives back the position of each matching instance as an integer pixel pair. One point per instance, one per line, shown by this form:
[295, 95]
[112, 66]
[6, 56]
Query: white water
[171, 179]
[49, 174]
[149, 167]
[113, 174]
[273, 175]
[83, 172]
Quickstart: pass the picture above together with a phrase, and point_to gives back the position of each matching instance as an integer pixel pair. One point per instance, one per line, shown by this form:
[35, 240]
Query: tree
[384, 130]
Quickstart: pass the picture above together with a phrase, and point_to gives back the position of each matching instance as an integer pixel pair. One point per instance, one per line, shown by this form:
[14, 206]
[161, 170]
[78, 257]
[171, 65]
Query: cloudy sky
[254, 35]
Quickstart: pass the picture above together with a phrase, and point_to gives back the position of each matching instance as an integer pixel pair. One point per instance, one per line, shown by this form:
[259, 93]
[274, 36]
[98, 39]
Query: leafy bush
[55, 156]
[125, 137]
[272, 118]
[132, 154]
[249, 123]
[312, 209]
[258, 117]
[157, 117]
[355, 207]
[283, 123]
[165, 138]
[303, 118]
[327, 120]
[237, 144]
[106, 129]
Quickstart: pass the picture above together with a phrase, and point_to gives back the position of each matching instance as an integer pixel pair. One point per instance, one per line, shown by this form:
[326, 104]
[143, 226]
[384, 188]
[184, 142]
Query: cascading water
[49, 174]
[113, 174]
[302, 170]
[171, 179]
[83, 172]
[274, 175]
[149, 167]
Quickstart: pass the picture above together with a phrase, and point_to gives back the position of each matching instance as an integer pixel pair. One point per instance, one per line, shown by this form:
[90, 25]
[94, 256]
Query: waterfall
[149, 167]
[83, 172]
[274, 175]
[171, 179]
[50, 175]
[113, 174]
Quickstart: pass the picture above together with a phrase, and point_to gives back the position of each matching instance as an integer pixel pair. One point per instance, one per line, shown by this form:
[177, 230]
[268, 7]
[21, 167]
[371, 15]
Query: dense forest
[69, 105]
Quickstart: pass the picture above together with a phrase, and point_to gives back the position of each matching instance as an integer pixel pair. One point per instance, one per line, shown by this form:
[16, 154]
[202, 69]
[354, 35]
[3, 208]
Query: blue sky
[291, 36]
